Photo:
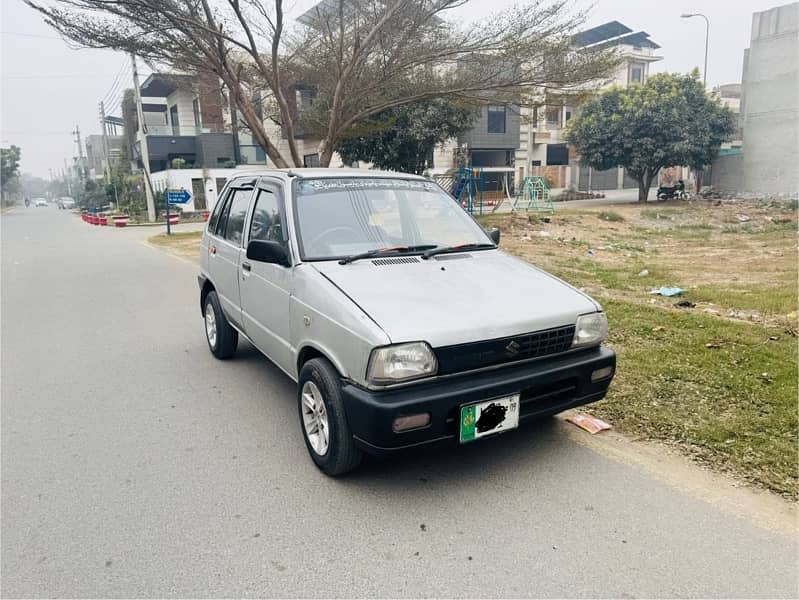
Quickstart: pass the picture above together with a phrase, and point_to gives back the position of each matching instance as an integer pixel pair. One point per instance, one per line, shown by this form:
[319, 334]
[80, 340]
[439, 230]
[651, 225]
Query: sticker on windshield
[312, 186]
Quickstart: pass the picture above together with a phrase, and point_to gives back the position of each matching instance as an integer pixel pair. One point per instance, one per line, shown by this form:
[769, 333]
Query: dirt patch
[184, 244]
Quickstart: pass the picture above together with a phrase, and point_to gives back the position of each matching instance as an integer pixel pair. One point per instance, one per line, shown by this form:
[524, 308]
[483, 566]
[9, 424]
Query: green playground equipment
[533, 194]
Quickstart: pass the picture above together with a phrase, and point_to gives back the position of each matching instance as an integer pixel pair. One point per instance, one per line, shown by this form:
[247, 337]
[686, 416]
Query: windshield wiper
[457, 248]
[387, 250]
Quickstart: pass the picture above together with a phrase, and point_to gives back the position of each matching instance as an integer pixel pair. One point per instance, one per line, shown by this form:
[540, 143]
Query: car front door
[266, 287]
[225, 249]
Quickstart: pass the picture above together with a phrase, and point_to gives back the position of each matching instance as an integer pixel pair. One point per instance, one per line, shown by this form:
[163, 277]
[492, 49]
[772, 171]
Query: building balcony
[181, 130]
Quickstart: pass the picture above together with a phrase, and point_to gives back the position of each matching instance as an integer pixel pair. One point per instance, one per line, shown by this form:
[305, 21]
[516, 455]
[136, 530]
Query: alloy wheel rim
[210, 324]
[314, 418]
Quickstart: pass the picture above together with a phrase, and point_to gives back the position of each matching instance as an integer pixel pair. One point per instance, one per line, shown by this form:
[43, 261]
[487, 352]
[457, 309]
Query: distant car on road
[393, 310]
[66, 202]
[40, 202]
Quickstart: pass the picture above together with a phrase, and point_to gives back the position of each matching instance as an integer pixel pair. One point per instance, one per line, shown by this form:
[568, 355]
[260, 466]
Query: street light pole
[707, 37]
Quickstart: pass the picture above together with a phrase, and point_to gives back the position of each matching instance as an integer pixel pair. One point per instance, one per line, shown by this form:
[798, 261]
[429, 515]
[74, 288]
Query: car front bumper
[546, 386]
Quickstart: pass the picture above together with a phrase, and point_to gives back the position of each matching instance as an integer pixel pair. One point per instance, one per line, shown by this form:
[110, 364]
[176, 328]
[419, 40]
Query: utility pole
[106, 158]
[79, 160]
[68, 177]
[145, 154]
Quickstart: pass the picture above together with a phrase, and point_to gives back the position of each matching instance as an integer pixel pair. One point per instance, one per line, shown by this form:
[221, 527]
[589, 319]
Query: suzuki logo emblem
[512, 349]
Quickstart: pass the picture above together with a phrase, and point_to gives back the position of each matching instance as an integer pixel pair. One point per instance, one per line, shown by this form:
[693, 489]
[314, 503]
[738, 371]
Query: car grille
[486, 353]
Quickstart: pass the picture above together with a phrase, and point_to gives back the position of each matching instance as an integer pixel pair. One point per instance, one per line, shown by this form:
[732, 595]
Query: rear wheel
[324, 424]
[222, 338]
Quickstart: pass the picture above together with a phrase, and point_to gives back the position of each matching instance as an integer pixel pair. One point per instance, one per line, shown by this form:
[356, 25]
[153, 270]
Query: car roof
[320, 173]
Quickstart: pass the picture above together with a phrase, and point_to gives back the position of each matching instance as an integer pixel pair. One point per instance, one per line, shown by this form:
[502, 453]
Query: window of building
[195, 105]
[173, 117]
[220, 184]
[568, 115]
[636, 73]
[310, 160]
[496, 119]
[553, 115]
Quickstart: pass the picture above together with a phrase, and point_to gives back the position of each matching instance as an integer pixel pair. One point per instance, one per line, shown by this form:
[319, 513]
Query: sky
[47, 89]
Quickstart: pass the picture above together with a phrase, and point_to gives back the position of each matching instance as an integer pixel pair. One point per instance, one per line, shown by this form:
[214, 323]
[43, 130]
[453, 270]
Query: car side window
[267, 224]
[237, 214]
[220, 224]
[214, 219]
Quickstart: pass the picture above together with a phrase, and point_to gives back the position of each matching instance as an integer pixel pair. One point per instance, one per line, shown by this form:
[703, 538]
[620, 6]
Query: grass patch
[777, 300]
[185, 243]
[609, 215]
[659, 213]
[731, 405]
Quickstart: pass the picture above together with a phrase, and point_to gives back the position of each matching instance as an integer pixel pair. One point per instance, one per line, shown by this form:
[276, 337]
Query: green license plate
[489, 417]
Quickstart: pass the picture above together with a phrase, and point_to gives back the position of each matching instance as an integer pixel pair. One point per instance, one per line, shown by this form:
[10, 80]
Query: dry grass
[185, 244]
[719, 381]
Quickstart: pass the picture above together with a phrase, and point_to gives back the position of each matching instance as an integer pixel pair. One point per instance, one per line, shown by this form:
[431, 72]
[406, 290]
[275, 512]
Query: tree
[9, 172]
[670, 120]
[403, 138]
[361, 57]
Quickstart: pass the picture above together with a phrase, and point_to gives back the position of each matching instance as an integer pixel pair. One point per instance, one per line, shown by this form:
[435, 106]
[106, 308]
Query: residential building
[730, 96]
[542, 148]
[185, 118]
[95, 153]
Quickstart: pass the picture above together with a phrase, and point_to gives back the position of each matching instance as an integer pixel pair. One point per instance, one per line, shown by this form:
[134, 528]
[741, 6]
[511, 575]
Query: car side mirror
[268, 252]
[493, 233]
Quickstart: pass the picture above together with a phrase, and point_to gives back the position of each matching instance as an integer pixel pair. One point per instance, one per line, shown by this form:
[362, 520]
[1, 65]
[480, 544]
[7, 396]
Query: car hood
[457, 298]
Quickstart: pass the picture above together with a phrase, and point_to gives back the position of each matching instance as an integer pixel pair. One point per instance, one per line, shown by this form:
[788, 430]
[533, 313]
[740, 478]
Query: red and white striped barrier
[120, 220]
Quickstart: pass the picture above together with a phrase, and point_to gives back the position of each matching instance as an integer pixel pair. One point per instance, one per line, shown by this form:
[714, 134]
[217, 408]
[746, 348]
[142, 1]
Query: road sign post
[175, 197]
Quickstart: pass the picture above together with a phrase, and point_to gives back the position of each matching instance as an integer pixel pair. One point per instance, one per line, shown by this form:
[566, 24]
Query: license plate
[486, 418]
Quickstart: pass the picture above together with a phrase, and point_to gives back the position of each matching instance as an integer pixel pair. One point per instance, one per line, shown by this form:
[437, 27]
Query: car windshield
[339, 217]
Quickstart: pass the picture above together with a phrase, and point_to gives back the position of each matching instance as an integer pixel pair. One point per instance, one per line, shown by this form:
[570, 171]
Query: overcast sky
[48, 88]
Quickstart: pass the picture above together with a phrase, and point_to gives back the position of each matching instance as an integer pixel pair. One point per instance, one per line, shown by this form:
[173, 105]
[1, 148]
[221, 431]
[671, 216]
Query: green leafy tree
[668, 121]
[403, 138]
[9, 172]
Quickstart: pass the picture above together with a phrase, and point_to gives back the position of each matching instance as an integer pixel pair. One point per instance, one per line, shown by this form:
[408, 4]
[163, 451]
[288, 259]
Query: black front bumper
[546, 386]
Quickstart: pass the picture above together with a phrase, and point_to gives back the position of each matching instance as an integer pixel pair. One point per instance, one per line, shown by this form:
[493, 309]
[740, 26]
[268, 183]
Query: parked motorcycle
[676, 192]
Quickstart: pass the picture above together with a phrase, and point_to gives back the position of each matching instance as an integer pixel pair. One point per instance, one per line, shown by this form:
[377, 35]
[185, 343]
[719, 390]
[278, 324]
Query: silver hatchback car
[399, 318]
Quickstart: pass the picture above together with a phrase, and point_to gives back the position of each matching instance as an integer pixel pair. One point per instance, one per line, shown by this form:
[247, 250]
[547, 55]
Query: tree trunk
[643, 188]
[325, 153]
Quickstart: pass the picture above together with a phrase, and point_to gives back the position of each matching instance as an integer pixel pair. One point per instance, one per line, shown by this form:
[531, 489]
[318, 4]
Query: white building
[204, 185]
[542, 147]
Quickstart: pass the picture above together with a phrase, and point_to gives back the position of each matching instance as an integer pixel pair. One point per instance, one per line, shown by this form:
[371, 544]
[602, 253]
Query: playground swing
[533, 194]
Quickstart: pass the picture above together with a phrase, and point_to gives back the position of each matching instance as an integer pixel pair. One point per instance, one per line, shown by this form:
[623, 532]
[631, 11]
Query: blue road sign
[177, 196]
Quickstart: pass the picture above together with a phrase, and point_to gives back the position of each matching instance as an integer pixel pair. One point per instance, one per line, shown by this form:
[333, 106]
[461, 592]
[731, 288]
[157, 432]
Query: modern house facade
[542, 149]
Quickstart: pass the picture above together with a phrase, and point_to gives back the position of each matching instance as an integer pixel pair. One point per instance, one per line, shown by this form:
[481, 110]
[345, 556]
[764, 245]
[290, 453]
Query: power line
[116, 82]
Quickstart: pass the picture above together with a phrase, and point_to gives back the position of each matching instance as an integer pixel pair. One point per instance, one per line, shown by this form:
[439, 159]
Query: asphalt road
[135, 464]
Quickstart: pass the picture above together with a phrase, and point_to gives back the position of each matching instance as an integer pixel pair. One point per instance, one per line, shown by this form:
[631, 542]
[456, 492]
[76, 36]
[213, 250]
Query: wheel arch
[206, 289]
[309, 350]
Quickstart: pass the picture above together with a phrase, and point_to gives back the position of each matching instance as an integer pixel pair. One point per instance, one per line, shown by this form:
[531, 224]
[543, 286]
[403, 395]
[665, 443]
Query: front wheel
[324, 424]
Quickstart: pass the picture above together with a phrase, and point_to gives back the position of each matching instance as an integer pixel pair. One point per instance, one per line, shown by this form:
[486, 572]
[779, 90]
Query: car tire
[221, 337]
[319, 379]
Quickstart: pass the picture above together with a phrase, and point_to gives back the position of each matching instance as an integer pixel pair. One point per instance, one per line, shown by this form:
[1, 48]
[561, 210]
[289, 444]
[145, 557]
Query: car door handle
[246, 266]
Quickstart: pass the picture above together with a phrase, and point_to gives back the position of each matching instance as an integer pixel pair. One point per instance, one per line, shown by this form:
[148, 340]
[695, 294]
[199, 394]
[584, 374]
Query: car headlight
[401, 362]
[590, 329]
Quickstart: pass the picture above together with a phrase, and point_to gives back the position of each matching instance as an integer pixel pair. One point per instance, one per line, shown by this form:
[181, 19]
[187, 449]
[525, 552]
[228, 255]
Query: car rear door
[225, 249]
[266, 287]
